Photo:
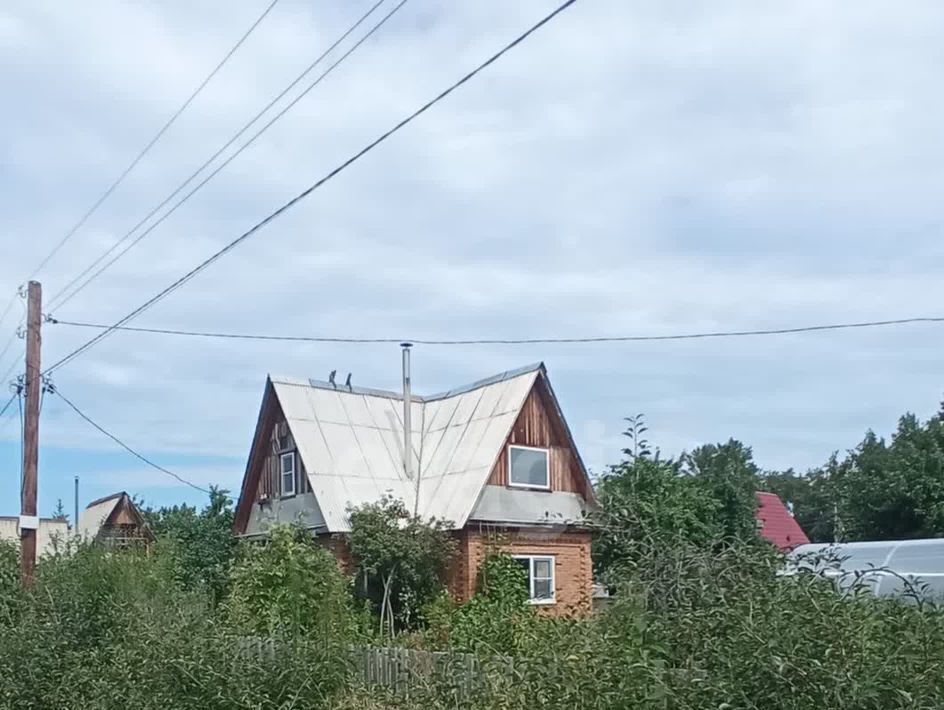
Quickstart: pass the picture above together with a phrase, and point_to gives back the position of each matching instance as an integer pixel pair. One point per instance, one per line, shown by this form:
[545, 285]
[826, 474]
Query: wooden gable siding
[262, 471]
[122, 515]
[538, 424]
[280, 442]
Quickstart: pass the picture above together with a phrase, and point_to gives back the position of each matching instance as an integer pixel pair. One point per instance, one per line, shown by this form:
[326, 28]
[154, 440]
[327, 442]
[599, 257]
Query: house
[50, 533]
[114, 520]
[494, 458]
[777, 524]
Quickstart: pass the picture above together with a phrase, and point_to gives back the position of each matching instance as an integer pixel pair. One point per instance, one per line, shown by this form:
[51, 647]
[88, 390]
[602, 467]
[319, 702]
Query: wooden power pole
[29, 520]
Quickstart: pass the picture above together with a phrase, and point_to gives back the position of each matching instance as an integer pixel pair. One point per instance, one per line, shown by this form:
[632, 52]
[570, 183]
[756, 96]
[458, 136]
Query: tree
[727, 473]
[894, 491]
[635, 432]
[646, 499]
[706, 498]
[202, 542]
[288, 586]
[812, 497]
[401, 560]
[60, 512]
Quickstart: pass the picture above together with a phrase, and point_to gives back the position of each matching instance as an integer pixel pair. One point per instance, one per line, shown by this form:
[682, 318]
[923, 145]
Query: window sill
[542, 602]
[287, 496]
[526, 487]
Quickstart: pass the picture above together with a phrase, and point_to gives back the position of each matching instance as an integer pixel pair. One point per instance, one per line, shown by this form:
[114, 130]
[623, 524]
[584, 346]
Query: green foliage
[9, 580]
[401, 561]
[879, 491]
[59, 512]
[705, 499]
[811, 496]
[496, 617]
[287, 587]
[697, 628]
[894, 491]
[115, 629]
[650, 497]
[727, 473]
[202, 542]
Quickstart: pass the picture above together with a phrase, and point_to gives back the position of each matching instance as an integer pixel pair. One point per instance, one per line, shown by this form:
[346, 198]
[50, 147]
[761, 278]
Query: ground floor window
[540, 571]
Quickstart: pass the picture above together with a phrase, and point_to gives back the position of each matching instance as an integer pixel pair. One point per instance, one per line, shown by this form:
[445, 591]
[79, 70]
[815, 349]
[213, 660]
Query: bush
[288, 587]
[116, 629]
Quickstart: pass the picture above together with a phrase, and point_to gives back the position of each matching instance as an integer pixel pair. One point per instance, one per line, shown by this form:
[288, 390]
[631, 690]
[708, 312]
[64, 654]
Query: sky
[631, 169]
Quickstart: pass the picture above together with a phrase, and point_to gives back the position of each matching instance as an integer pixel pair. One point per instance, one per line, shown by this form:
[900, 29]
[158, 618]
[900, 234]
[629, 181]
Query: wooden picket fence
[401, 669]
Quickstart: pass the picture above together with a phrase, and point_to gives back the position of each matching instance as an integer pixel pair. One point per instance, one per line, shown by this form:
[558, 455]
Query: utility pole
[29, 520]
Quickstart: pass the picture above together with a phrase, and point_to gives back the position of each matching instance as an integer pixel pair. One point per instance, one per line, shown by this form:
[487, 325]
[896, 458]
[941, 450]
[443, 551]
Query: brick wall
[337, 545]
[573, 571]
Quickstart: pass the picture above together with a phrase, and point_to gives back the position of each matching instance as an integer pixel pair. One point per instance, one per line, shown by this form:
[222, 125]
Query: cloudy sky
[634, 168]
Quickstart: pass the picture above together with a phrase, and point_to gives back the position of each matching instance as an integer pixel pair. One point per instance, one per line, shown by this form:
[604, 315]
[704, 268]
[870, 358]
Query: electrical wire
[62, 297]
[142, 457]
[11, 369]
[105, 195]
[307, 191]
[21, 293]
[8, 403]
[510, 341]
[8, 345]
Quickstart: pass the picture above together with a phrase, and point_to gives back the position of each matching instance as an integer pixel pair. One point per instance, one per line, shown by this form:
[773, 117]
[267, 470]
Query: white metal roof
[92, 518]
[351, 442]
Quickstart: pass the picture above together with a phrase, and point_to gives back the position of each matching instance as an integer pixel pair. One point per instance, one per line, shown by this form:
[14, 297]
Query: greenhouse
[899, 568]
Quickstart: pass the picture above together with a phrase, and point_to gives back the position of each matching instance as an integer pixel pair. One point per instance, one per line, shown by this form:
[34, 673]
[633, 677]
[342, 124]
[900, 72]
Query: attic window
[287, 467]
[528, 467]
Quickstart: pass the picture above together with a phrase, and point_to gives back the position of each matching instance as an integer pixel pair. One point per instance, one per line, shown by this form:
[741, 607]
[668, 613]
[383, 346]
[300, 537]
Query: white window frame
[547, 468]
[531, 560]
[282, 474]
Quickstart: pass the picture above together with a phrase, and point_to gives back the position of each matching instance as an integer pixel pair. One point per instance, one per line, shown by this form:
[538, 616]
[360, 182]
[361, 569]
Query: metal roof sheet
[97, 512]
[351, 442]
[517, 506]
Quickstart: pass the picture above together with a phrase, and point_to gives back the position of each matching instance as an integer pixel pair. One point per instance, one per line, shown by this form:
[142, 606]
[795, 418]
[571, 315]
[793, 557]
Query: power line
[105, 195]
[9, 402]
[305, 193]
[61, 298]
[123, 445]
[15, 334]
[510, 341]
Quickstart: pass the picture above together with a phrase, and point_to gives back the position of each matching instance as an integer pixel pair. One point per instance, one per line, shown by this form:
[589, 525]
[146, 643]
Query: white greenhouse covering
[887, 568]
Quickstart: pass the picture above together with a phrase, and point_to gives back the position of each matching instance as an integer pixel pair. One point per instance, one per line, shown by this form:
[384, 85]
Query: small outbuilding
[114, 520]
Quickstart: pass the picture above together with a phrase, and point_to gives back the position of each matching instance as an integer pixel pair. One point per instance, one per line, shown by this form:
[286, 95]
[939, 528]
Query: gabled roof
[777, 524]
[351, 442]
[98, 512]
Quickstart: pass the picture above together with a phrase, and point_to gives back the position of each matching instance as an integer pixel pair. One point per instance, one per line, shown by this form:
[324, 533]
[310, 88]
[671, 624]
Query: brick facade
[573, 569]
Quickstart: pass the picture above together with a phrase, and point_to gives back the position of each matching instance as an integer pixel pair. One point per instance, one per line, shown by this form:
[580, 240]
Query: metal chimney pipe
[407, 411]
[75, 519]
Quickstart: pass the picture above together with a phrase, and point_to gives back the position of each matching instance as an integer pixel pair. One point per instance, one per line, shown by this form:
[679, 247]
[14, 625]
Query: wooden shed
[114, 520]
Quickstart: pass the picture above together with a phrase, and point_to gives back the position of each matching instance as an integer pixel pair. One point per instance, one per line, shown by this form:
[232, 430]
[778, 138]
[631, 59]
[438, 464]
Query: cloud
[630, 169]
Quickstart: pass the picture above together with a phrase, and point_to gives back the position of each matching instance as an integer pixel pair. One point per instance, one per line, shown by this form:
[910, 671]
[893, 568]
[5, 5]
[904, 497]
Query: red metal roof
[776, 523]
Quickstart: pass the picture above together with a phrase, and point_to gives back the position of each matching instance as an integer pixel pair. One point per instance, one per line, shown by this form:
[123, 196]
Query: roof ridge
[391, 394]
[107, 498]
